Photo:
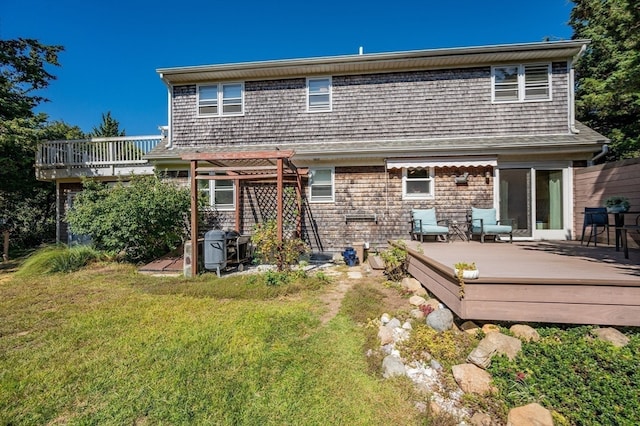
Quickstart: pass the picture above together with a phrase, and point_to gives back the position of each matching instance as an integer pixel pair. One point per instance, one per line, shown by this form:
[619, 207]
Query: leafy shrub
[588, 381]
[59, 259]
[395, 261]
[269, 250]
[140, 220]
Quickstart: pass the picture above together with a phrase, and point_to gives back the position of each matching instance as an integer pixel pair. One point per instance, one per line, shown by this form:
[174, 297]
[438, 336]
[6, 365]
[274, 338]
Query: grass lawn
[109, 346]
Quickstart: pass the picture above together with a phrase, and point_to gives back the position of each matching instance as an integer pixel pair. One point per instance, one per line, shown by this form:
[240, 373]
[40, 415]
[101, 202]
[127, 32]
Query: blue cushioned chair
[424, 222]
[483, 222]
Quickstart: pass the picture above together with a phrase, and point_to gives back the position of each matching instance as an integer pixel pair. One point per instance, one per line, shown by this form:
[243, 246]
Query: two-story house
[374, 135]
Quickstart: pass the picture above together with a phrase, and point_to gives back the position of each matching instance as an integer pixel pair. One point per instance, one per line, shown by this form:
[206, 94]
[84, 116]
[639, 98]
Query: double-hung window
[417, 184]
[319, 94]
[521, 83]
[220, 99]
[218, 193]
[321, 185]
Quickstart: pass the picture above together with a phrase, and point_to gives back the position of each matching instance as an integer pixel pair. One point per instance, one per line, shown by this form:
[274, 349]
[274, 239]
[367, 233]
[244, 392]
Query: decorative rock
[385, 334]
[472, 379]
[440, 320]
[385, 318]
[480, 419]
[434, 304]
[394, 323]
[470, 327]
[417, 314]
[417, 300]
[612, 336]
[392, 366]
[411, 284]
[494, 343]
[436, 365]
[481, 355]
[530, 415]
[407, 325]
[490, 328]
[525, 333]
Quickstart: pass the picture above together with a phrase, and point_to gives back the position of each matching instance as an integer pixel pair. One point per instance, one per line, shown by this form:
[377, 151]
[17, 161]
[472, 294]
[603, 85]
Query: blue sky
[113, 48]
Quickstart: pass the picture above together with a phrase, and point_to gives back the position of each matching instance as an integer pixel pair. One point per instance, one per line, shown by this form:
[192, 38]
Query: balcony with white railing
[103, 157]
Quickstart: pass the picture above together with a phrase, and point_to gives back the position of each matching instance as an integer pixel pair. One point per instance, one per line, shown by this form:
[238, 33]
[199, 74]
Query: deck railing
[96, 152]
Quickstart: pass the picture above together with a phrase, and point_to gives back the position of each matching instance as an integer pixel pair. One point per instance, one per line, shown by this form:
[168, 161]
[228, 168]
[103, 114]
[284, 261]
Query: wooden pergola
[253, 166]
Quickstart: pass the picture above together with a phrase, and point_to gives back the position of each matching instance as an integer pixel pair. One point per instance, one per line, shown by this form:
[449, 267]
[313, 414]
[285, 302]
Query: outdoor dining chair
[594, 218]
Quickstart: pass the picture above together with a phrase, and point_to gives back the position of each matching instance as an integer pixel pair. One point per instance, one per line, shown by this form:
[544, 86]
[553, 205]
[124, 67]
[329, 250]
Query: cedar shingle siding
[432, 104]
[386, 106]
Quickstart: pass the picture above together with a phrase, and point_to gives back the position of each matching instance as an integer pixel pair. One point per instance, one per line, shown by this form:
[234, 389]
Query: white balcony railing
[97, 152]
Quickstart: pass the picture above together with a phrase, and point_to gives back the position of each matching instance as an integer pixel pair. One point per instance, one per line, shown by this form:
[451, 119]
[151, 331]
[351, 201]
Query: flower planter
[468, 274]
[617, 209]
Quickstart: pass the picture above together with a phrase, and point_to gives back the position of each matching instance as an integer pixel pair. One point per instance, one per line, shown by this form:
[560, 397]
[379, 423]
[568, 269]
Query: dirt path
[345, 280]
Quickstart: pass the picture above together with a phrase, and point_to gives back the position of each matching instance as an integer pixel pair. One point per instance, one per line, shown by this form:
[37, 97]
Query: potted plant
[617, 204]
[466, 271]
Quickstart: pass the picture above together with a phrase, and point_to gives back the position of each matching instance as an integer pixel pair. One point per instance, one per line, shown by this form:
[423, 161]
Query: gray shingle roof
[587, 140]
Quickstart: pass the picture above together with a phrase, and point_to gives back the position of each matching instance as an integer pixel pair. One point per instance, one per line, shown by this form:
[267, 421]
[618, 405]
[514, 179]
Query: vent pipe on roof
[360, 51]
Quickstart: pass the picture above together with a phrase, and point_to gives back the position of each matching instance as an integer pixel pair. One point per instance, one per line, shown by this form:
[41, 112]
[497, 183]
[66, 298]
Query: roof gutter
[169, 115]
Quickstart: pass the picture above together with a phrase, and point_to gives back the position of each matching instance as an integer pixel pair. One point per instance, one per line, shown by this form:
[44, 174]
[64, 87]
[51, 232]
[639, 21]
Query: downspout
[169, 122]
[605, 150]
[572, 90]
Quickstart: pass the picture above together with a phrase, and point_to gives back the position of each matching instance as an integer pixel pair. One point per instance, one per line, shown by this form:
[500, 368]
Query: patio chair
[594, 218]
[424, 222]
[484, 222]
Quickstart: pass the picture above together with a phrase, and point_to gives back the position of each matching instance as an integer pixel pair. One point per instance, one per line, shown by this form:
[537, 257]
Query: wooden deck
[549, 282]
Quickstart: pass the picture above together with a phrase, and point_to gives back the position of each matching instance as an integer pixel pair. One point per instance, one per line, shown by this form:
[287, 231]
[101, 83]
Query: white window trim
[211, 195]
[411, 196]
[333, 186]
[220, 99]
[330, 108]
[521, 83]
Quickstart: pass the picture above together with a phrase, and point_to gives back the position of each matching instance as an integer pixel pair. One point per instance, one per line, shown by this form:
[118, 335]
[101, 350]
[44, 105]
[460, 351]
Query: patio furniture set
[479, 222]
[596, 221]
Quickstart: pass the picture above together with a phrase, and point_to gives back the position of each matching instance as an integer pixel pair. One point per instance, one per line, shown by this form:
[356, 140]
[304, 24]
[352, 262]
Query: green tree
[27, 204]
[608, 75]
[139, 220]
[109, 127]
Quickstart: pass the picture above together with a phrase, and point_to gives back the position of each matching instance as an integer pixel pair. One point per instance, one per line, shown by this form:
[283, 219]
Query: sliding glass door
[536, 199]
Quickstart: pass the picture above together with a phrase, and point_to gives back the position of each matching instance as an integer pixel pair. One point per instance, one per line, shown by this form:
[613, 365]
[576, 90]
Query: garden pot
[469, 274]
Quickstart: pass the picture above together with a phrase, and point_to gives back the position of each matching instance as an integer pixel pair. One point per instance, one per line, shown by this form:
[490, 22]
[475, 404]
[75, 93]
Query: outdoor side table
[456, 231]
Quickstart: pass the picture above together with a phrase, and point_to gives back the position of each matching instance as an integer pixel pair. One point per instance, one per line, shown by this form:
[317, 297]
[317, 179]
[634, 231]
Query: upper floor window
[520, 83]
[218, 193]
[417, 184]
[321, 185]
[319, 94]
[220, 99]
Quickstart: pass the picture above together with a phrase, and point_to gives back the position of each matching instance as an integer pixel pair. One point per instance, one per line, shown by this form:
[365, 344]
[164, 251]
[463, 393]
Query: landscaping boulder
[472, 379]
[494, 343]
[417, 314]
[417, 300]
[413, 286]
[490, 328]
[470, 327]
[525, 333]
[530, 415]
[481, 419]
[440, 320]
[392, 366]
[612, 336]
[385, 334]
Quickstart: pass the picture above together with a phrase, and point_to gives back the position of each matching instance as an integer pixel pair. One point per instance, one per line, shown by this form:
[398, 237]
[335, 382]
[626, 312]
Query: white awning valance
[417, 163]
